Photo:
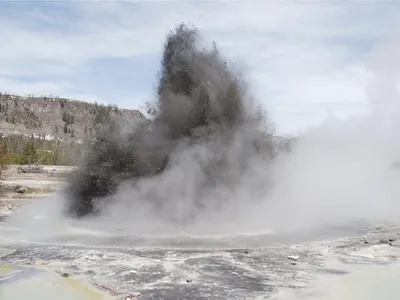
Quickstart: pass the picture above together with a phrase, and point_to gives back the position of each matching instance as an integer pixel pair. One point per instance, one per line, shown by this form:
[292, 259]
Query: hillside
[61, 129]
[56, 118]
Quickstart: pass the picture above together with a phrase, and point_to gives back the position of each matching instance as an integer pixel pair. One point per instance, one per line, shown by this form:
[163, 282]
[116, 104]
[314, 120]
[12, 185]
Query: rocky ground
[17, 187]
[291, 271]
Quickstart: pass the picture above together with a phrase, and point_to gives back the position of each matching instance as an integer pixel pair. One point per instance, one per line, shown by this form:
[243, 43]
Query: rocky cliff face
[57, 118]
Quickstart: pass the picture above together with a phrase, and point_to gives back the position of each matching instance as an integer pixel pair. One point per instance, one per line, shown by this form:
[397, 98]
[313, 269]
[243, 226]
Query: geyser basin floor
[219, 274]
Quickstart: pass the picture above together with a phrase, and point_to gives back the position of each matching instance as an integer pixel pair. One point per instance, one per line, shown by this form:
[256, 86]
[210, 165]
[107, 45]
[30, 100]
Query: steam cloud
[205, 163]
[204, 166]
[203, 138]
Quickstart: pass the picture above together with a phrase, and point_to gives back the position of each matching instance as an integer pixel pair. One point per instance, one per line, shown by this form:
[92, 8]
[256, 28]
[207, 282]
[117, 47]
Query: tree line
[22, 150]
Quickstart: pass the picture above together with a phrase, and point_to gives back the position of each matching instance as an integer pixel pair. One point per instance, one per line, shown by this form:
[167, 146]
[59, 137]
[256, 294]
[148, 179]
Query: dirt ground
[17, 187]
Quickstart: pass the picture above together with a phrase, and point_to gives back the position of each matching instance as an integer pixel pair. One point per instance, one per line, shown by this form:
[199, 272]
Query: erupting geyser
[203, 109]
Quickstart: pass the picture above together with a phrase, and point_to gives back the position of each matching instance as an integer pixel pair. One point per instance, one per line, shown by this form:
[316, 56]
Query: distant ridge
[56, 118]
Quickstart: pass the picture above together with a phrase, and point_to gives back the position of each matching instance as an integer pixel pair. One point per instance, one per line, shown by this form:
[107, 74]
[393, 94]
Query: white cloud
[35, 88]
[305, 59]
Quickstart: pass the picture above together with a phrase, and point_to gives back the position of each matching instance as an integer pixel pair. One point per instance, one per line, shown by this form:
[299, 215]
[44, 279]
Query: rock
[22, 190]
[31, 169]
[131, 296]
[293, 257]
[387, 241]
[364, 239]
[16, 187]
[21, 170]
[395, 244]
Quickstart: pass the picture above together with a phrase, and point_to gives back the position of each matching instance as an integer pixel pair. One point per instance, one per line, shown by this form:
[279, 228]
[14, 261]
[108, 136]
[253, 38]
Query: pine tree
[30, 152]
[4, 160]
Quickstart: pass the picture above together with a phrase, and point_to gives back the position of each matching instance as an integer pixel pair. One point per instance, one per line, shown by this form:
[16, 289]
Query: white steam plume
[341, 172]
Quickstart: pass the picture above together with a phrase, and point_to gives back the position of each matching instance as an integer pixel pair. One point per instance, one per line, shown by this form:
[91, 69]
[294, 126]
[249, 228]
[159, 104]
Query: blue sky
[305, 60]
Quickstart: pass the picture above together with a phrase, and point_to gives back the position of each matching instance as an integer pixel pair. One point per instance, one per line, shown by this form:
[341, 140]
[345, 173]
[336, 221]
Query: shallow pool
[369, 282]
